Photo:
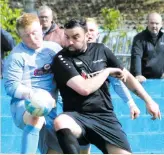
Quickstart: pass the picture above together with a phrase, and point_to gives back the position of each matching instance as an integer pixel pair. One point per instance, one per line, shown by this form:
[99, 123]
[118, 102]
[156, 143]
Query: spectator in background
[148, 50]
[24, 72]
[7, 44]
[51, 31]
[93, 30]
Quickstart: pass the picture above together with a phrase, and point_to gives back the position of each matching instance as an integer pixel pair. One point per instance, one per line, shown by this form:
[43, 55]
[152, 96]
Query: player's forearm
[16, 89]
[22, 92]
[137, 88]
[92, 84]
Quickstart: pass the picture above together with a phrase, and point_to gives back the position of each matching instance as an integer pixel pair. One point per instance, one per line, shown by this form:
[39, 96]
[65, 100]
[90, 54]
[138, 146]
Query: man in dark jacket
[7, 42]
[148, 50]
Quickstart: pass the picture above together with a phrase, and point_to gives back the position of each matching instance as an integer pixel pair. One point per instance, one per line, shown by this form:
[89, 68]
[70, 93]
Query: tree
[8, 18]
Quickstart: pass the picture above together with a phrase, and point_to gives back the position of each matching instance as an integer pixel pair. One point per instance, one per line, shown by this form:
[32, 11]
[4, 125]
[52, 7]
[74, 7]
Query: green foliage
[140, 28]
[112, 18]
[8, 18]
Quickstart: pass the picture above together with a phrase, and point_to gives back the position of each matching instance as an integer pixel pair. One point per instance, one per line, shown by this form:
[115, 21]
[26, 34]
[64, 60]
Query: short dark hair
[76, 23]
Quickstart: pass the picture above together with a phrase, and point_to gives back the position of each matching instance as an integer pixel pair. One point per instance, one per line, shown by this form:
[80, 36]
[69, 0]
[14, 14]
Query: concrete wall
[145, 135]
[134, 11]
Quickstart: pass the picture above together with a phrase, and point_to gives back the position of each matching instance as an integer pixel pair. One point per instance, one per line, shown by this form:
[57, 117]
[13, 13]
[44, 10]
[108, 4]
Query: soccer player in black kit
[81, 71]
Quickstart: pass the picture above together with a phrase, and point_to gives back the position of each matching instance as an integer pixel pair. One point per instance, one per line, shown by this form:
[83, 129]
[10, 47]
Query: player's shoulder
[142, 35]
[93, 46]
[18, 51]
[96, 44]
[52, 45]
[62, 56]
[101, 46]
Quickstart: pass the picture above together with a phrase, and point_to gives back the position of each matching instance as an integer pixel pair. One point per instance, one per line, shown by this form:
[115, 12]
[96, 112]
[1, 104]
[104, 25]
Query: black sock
[68, 142]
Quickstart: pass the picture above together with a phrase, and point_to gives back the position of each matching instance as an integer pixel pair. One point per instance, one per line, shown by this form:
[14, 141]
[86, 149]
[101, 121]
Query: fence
[120, 42]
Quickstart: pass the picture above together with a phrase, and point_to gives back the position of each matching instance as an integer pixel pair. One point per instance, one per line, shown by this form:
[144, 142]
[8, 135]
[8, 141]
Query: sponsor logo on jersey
[79, 63]
[44, 70]
[96, 61]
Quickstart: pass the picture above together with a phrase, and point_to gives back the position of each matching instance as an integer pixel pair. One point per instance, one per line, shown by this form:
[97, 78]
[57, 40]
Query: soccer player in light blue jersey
[29, 67]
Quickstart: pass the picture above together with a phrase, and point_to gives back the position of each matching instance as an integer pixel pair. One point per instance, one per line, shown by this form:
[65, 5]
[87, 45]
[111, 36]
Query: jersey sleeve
[63, 69]
[112, 61]
[12, 73]
[120, 88]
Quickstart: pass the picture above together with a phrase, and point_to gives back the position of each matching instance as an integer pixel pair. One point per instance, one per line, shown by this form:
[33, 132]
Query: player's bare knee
[33, 120]
[61, 122]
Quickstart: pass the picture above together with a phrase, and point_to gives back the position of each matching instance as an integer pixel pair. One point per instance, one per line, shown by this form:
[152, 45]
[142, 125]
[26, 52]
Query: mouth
[90, 39]
[71, 48]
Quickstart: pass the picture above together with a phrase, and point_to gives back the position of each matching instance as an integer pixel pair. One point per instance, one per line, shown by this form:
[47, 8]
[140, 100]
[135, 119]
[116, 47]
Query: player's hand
[28, 95]
[153, 109]
[134, 111]
[118, 73]
[140, 78]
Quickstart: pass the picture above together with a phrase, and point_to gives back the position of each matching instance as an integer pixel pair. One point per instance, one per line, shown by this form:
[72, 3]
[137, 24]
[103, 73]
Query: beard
[74, 51]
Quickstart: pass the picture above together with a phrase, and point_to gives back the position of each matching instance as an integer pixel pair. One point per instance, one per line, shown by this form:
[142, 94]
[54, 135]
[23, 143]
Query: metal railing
[120, 42]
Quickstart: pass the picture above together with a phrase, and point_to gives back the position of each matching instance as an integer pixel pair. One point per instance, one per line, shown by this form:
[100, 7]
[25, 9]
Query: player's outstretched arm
[137, 88]
[123, 92]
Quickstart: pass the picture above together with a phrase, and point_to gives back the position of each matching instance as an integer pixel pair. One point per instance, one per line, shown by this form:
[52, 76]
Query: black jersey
[87, 64]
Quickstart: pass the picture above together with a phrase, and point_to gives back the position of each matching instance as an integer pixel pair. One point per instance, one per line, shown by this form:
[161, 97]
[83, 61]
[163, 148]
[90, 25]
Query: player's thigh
[66, 121]
[18, 109]
[113, 149]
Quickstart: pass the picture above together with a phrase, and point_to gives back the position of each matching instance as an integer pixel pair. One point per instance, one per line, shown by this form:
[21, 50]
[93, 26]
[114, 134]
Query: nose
[32, 37]
[70, 42]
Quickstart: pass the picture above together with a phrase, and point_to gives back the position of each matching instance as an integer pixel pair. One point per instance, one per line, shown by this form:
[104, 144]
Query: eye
[66, 37]
[42, 17]
[35, 32]
[76, 37]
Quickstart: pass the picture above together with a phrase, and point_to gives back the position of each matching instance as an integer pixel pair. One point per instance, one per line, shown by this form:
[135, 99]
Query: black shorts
[100, 129]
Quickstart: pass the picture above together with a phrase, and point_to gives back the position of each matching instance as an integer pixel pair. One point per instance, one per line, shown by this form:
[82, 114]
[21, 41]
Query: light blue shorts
[47, 138]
